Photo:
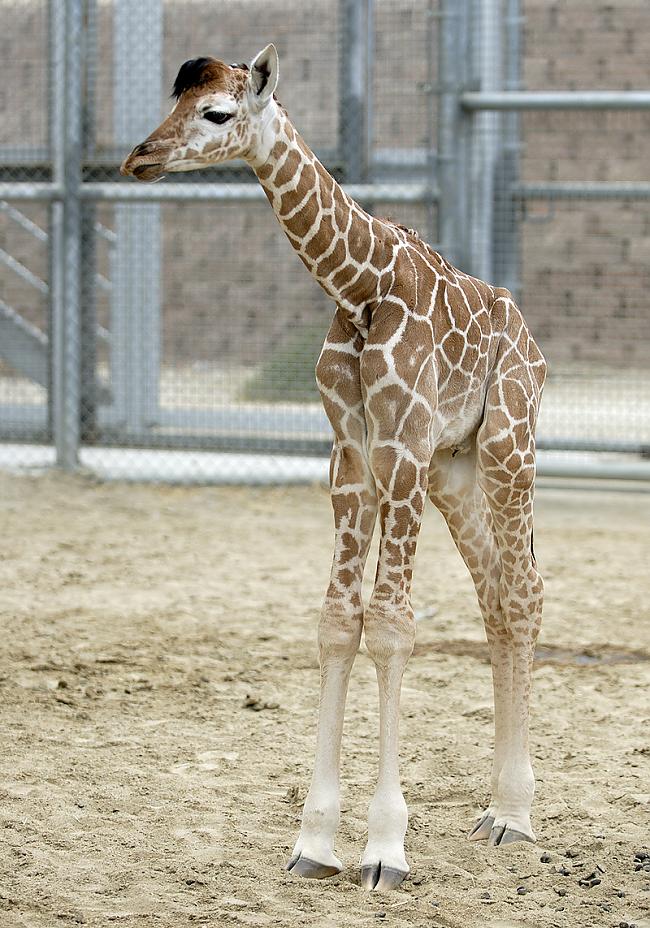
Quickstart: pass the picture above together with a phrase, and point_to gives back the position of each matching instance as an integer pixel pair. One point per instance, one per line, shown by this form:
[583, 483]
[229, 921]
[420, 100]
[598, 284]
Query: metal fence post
[136, 294]
[66, 143]
[88, 306]
[485, 145]
[356, 17]
[506, 207]
[451, 147]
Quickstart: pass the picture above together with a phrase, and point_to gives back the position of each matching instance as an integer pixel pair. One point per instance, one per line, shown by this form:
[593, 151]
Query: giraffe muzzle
[148, 172]
[147, 160]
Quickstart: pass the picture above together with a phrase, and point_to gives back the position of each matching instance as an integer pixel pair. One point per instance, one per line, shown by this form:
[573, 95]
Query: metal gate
[173, 317]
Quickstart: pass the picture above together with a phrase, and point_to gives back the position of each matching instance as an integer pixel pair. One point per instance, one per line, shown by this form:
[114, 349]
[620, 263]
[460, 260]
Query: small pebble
[563, 871]
[434, 902]
[589, 881]
[560, 890]
[571, 853]
[545, 858]
[485, 896]
[521, 890]
[380, 915]
[69, 702]
[620, 894]
[623, 925]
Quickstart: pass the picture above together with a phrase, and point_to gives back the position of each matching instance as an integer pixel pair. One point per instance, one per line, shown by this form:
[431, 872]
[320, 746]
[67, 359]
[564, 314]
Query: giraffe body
[431, 382]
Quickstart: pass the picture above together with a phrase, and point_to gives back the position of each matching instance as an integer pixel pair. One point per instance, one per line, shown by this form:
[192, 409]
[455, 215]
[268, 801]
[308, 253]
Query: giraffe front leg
[389, 629]
[339, 633]
[338, 637]
[390, 635]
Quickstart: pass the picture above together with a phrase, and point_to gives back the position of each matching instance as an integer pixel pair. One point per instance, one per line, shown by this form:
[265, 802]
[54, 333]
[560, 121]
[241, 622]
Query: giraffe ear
[264, 72]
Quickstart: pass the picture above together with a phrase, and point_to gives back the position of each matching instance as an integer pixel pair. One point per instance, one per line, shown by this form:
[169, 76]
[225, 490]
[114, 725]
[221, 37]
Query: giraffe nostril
[142, 149]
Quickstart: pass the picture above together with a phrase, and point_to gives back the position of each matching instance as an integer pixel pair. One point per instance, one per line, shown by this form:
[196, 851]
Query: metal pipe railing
[129, 192]
[569, 190]
[24, 221]
[243, 193]
[23, 272]
[556, 100]
[28, 191]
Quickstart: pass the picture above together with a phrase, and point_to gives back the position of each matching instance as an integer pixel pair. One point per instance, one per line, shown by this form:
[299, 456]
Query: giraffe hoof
[501, 835]
[482, 829]
[381, 878]
[311, 869]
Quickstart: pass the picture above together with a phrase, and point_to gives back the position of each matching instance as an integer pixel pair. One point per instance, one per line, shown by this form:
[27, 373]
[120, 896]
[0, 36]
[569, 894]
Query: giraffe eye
[219, 118]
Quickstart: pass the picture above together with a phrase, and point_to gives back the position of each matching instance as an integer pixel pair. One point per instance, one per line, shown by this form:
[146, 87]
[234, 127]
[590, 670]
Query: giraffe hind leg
[454, 490]
[506, 474]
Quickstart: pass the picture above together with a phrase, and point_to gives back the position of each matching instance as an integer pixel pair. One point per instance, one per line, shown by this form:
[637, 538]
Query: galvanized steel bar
[507, 232]
[569, 190]
[596, 470]
[556, 100]
[353, 100]
[67, 22]
[369, 146]
[30, 192]
[23, 221]
[23, 345]
[127, 192]
[133, 192]
[136, 296]
[89, 277]
[450, 159]
[430, 89]
[485, 144]
[23, 272]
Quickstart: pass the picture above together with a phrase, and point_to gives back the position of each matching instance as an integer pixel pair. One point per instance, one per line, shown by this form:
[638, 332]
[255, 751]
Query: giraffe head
[221, 112]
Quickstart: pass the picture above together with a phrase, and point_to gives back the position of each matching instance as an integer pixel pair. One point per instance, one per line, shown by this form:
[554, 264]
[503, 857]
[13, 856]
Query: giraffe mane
[197, 72]
[398, 225]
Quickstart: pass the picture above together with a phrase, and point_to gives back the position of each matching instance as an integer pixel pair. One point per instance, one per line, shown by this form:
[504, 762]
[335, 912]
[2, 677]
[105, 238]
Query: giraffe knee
[339, 631]
[389, 633]
[405, 471]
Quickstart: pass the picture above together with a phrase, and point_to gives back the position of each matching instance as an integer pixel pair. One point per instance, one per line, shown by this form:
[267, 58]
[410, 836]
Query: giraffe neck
[348, 252]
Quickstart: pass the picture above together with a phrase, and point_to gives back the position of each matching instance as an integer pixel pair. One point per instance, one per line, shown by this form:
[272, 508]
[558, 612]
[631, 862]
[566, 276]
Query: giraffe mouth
[148, 172]
[147, 161]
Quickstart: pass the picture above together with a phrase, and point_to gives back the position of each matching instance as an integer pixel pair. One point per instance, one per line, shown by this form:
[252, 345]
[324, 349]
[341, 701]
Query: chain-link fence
[171, 331]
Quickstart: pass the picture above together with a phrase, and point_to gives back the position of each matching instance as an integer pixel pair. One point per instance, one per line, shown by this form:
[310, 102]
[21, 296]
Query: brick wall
[232, 286]
[586, 264]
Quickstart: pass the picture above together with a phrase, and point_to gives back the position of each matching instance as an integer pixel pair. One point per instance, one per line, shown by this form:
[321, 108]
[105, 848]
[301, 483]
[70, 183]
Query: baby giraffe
[432, 383]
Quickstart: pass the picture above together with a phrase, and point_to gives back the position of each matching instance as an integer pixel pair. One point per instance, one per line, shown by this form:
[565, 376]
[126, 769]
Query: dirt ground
[158, 676]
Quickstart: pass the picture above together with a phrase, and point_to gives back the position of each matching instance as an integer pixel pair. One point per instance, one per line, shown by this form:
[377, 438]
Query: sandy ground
[159, 690]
